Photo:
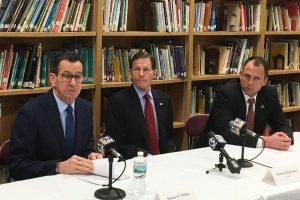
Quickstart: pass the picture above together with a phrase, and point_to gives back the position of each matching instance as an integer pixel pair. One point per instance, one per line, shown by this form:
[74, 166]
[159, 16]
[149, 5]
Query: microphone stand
[110, 192]
[242, 161]
[220, 165]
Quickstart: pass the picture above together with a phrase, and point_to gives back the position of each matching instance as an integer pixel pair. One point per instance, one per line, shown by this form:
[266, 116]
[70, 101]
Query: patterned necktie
[70, 130]
[151, 127]
[250, 114]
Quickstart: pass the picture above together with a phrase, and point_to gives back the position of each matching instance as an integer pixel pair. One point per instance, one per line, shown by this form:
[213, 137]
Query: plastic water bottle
[139, 174]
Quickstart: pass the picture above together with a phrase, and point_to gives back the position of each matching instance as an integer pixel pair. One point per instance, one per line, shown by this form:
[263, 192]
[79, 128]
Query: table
[166, 172]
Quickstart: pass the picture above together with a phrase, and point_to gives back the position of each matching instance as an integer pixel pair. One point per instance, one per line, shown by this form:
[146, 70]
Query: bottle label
[140, 169]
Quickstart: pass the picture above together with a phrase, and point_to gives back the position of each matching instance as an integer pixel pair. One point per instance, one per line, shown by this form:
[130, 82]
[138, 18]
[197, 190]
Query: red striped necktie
[250, 114]
[151, 127]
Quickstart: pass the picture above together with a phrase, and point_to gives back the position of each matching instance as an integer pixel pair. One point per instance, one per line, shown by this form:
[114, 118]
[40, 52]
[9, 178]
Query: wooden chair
[194, 126]
[4, 151]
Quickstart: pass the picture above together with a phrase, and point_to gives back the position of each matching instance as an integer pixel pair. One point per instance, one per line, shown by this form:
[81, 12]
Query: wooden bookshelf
[178, 89]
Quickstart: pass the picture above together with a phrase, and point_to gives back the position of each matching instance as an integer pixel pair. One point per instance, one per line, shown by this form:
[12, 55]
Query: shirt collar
[141, 93]
[62, 105]
[247, 97]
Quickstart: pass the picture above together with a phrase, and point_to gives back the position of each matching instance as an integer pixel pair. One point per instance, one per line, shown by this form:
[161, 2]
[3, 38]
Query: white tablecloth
[168, 172]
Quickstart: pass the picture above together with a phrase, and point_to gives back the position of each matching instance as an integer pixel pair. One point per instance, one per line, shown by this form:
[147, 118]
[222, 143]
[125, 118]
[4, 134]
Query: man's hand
[94, 156]
[278, 140]
[75, 165]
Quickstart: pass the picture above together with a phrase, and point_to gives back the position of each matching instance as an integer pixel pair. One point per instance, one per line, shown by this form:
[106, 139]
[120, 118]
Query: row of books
[241, 16]
[226, 57]
[283, 17]
[237, 16]
[115, 63]
[44, 15]
[115, 15]
[26, 66]
[166, 15]
[169, 62]
[202, 97]
[288, 92]
[283, 54]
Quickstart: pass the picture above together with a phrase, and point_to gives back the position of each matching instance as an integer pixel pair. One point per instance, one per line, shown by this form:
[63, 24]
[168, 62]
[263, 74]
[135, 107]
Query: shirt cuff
[259, 143]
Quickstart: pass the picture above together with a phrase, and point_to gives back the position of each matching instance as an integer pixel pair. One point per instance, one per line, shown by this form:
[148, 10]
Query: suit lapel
[259, 108]
[138, 112]
[79, 125]
[158, 108]
[54, 119]
[242, 104]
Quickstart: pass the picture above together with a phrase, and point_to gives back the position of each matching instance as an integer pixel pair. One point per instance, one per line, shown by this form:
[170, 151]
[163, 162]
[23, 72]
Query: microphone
[237, 126]
[217, 143]
[106, 145]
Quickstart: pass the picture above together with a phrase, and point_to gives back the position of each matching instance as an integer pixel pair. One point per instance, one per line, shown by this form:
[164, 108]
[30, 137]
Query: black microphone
[237, 126]
[106, 145]
[217, 143]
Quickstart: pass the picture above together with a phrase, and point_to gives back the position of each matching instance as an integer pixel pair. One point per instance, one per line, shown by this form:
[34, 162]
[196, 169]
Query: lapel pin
[262, 106]
[161, 104]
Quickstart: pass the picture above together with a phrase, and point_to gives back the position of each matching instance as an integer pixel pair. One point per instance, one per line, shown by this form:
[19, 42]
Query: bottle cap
[140, 153]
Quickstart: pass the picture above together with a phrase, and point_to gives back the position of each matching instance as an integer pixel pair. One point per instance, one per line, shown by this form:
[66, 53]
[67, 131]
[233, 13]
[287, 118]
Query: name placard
[282, 175]
[178, 194]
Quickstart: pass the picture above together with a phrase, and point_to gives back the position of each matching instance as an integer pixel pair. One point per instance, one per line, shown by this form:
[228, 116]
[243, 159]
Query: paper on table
[101, 171]
[101, 167]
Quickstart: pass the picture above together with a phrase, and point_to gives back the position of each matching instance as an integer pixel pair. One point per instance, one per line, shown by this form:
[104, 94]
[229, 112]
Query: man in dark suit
[44, 141]
[232, 102]
[127, 116]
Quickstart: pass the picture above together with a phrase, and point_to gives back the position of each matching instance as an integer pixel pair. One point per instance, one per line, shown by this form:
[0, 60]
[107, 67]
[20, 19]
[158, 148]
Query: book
[86, 14]
[9, 25]
[7, 66]
[19, 25]
[21, 69]
[212, 55]
[232, 12]
[41, 16]
[197, 59]
[278, 57]
[8, 14]
[31, 48]
[293, 11]
[257, 17]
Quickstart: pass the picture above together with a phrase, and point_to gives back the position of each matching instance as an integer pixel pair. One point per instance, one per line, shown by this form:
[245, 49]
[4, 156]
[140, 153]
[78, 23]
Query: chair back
[4, 151]
[194, 126]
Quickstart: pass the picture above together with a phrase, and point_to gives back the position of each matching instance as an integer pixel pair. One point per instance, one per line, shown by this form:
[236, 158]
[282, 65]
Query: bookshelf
[12, 99]
[137, 37]
[257, 39]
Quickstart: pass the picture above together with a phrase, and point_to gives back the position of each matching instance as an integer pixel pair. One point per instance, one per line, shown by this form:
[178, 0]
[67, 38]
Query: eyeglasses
[144, 70]
[69, 77]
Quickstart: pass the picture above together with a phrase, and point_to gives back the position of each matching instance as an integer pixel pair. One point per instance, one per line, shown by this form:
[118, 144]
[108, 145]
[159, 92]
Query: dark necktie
[151, 127]
[70, 130]
[250, 114]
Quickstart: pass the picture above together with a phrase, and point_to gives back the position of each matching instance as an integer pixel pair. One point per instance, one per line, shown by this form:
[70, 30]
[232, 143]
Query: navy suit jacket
[126, 122]
[230, 103]
[37, 139]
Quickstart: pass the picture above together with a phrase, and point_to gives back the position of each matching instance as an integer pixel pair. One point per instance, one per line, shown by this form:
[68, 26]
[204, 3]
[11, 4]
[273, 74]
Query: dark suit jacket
[37, 139]
[126, 122]
[230, 103]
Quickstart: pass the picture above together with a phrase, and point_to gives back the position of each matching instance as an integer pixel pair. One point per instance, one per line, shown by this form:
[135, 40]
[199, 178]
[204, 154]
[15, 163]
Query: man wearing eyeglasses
[139, 117]
[53, 132]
